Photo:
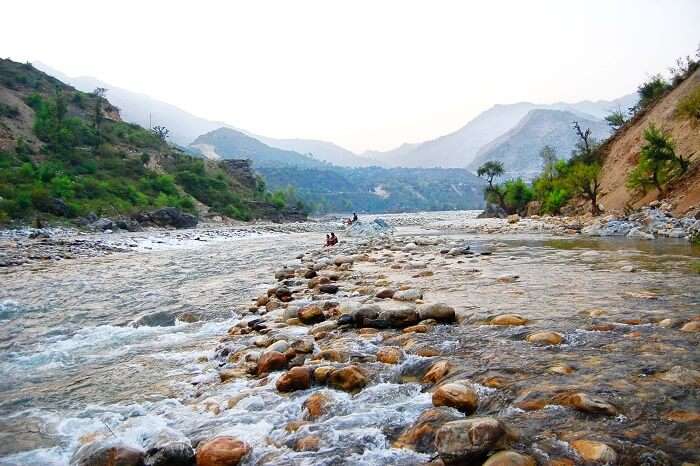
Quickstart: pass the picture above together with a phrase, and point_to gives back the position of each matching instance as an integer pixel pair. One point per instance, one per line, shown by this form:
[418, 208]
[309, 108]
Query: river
[109, 346]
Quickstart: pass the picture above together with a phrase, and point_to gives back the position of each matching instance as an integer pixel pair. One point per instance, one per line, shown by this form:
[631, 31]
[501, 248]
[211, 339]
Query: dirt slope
[622, 151]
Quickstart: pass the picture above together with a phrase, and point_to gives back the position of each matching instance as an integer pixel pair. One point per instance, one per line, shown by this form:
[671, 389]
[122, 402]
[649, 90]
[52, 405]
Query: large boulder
[400, 317]
[222, 451]
[458, 396]
[107, 453]
[466, 441]
[297, 378]
[348, 379]
[172, 217]
[169, 448]
[271, 361]
[421, 435]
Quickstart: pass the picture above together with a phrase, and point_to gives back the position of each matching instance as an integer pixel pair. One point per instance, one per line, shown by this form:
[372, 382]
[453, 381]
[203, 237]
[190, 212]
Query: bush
[517, 194]
[657, 162]
[689, 107]
[651, 90]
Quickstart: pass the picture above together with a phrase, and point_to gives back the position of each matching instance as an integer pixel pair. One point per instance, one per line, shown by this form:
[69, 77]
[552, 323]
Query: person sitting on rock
[334, 239]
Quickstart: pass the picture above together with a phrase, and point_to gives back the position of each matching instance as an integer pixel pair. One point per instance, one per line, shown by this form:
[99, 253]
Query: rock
[311, 315]
[402, 317]
[440, 312]
[321, 373]
[188, 317]
[385, 293]
[408, 295]
[507, 278]
[545, 338]
[421, 435]
[589, 404]
[107, 453]
[346, 319]
[296, 378]
[595, 451]
[692, 326]
[283, 294]
[340, 260]
[508, 319]
[515, 218]
[436, 372]
[333, 355]
[280, 346]
[348, 379]
[465, 441]
[328, 288]
[510, 458]
[316, 406]
[628, 268]
[365, 313]
[170, 216]
[420, 328]
[325, 326]
[169, 448]
[389, 355]
[637, 233]
[308, 443]
[309, 274]
[272, 361]
[680, 375]
[458, 396]
[284, 274]
[303, 346]
[102, 224]
[222, 451]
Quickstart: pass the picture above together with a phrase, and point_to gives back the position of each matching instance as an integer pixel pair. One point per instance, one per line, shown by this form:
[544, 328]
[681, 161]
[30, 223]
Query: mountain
[458, 149]
[621, 152]
[66, 154]
[185, 127]
[227, 143]
[520, 146]
[375, 189]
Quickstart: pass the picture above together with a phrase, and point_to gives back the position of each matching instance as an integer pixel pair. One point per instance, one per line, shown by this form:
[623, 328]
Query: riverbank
[441, 347]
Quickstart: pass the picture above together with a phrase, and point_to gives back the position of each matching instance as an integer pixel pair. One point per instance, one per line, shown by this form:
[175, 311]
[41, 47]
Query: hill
[459, 148]
[66, 154]
[320, 150]
[519, 147]
[621, 152]
[375, 189]
[227, 143]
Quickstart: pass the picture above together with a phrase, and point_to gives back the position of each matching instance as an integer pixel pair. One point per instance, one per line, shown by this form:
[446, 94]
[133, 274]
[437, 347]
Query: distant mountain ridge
[520, 146]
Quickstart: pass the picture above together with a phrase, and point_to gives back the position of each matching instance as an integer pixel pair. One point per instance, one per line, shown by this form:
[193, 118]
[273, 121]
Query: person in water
[334, 239]
[328, 240]
[354, 217]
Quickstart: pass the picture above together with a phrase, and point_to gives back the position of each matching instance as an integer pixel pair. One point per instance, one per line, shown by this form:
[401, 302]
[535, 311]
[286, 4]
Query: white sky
[363, 74]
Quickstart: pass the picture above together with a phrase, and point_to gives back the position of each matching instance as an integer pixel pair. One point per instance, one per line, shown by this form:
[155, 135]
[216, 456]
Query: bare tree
[161, 132]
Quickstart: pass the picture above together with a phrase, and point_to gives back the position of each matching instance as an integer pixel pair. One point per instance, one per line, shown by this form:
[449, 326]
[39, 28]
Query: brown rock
[421, 435]
[311, 315]
[509, 458]
[595, 451]
[349, 379]
[296, 378]
[440, 312]
[545, 338]
[333, 355]
[221, 451]
[293, 426]
[464, 441]
[101, 453]
[692, 326]
[458, 396]
[385, 293]
[589, 404]
[416, 329]
[389, 355]
[436, 372]
[560, 462]
[308, 443]
[316, 406]
[508, 319]
[271, 361]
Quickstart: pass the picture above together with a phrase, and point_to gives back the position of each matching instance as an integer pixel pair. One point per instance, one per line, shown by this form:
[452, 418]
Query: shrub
[689, 107]
[517, 194]
[651, 90]
[657, 162]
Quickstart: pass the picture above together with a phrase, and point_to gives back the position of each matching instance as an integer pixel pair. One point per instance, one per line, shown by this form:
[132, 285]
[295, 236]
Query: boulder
[296, 378]
[515, 218]
[421, 435]
[510, 458]
[436, 372]
[107, 453]
[283, 294]
[593, 405]
[408, 295]
[172, 217]
[545, 338]
[222, 451]
[169, 448]
[348, 379]
[366, 312]
[328, 288]
[692, 326]
[311, 315]
[638, 233]
[595, 451]
[316, 405]
[401, 317]
[271, 361]
[468, 440]
[340, 260]
[385, 293]
[321, 373]
[458, 396]
[389, 355]
[102, 224]
[440, 312]
[508, 319]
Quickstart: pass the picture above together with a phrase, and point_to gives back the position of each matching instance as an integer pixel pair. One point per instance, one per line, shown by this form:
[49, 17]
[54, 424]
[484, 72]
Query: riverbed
[128, 345]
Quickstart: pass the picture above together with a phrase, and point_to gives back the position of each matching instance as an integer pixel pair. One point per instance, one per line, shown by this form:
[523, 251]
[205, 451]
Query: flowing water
[100, 347]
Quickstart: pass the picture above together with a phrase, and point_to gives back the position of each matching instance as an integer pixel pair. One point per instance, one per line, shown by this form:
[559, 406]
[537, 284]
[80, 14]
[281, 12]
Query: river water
[104, 346]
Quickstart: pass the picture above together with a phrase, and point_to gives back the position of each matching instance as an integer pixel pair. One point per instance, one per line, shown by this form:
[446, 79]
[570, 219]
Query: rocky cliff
[621, 153]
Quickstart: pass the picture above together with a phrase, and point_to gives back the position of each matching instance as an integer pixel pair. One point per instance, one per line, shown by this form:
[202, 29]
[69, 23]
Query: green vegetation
[616, 119]
[512, 196]
[652, 89]
[658, 162]
[689, 107]
[695, 267]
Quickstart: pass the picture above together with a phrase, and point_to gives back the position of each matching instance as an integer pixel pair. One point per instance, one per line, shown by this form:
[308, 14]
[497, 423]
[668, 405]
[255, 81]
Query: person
[328, 240]
[334, 239]
[354, 217]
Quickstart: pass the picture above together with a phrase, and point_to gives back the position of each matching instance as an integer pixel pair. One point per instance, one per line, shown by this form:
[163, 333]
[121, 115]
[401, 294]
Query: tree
[517, 194]
[161, 132]
[586, 145]
[584, 179]
[549, 159]
[493, 193]
[99, 94]
[657, 163]
[651, 90]
[616, 119]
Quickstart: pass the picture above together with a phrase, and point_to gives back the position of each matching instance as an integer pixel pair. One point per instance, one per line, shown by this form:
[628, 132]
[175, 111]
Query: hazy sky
[364, 74]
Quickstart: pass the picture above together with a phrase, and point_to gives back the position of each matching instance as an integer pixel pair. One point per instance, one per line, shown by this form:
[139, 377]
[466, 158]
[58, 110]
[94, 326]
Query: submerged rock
[297, 378]
[510, 458]
[595, 451]
[436, 372]
[421, 435]
[545, 338]
[508, 319]
[440, 312]
[107, 453]
[389, 355]
[222, 451]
